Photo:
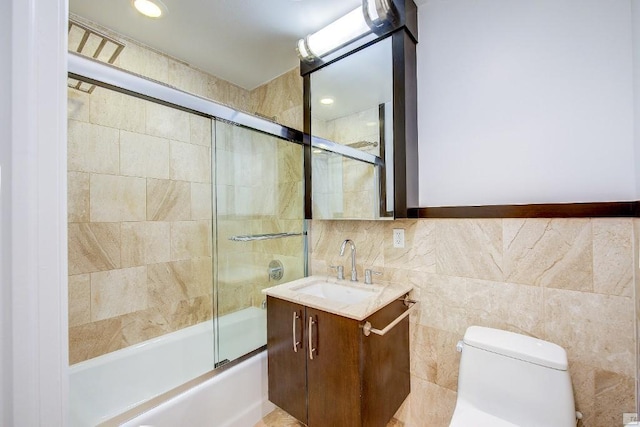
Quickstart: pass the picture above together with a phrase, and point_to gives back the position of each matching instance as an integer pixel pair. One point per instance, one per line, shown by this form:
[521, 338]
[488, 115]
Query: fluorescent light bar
[355, 24]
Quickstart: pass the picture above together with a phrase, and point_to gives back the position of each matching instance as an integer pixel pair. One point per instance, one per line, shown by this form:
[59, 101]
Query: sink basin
[336, 292]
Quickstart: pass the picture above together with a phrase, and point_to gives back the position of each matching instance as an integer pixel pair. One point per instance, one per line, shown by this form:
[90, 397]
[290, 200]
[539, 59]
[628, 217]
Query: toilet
[511, 380]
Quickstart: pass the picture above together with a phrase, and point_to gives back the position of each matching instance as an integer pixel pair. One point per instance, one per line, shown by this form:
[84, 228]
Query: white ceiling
[246, 42]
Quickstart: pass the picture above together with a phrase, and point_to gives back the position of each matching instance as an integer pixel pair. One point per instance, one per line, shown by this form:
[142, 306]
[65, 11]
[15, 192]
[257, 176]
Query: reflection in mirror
[352, 105]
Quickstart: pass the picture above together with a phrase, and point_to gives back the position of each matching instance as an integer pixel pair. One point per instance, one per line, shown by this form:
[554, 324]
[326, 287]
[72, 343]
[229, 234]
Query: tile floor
[279, 418]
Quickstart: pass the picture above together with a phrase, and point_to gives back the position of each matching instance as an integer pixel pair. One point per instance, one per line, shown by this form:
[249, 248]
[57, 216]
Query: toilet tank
[518, 379]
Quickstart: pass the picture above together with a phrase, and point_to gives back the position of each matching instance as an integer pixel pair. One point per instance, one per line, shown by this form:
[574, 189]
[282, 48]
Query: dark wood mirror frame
[404, 37]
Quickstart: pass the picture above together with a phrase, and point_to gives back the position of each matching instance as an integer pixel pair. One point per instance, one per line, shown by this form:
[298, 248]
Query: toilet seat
[467, 416]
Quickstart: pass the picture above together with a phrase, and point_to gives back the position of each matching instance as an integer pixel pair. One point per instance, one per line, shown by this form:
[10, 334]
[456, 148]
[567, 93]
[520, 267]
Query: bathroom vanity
[323, 368]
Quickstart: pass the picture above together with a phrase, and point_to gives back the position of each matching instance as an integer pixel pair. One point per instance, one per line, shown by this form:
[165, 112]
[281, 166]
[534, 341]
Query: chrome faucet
[354, 272]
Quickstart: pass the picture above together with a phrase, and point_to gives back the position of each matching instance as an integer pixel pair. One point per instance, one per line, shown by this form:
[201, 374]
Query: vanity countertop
[382, 295]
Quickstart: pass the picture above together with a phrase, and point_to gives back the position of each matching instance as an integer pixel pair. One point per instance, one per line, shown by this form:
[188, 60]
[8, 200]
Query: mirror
[352, 111]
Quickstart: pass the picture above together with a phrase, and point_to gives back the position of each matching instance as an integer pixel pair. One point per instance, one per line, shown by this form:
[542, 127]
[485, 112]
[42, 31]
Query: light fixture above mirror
[372, 16]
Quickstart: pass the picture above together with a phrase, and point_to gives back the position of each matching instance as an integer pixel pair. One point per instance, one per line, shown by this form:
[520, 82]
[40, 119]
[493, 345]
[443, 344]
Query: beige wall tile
[190, 162]
[169, 282]
[200, 133]
[201, 204]
[92, 148]
[555, 253]
[613, 256]
[290, 200]
[117, 198]
[597, 330]
[94, 339]
[145, 243]
[77, 105]
[167, 122]
[117, 110]
[117, 292]
[93, 247]
[419, 252]
[143, 155]
[78, 197]
[168, 200]
[190, 239]
[144, 325]
[427, 405]
[145, 62]
[614, 394]
[469, 248]
[188, 312]
[79, 299]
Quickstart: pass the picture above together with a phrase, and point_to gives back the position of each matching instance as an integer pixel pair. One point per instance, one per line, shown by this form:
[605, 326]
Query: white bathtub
[106, 386]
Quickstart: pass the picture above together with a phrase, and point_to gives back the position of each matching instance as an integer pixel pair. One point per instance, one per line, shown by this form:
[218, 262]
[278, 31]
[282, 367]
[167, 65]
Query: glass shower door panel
[140, 251]
[259, 197]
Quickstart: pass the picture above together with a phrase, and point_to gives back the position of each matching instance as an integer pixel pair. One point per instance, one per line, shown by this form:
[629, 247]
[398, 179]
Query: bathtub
[109, 385]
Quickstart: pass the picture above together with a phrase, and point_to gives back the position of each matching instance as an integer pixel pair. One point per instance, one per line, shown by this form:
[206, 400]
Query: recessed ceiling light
[152, 9]
[326, 101]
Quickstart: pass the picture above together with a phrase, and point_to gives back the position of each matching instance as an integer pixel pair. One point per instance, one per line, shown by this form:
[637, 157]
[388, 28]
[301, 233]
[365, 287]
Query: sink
[336, 292]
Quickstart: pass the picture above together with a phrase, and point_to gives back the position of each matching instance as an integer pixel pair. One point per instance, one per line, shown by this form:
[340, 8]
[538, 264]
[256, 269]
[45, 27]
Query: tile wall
[569, 281]
[140, 204]
[343, 187]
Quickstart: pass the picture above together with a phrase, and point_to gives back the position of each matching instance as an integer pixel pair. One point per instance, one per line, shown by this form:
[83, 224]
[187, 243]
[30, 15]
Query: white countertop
[383, 295]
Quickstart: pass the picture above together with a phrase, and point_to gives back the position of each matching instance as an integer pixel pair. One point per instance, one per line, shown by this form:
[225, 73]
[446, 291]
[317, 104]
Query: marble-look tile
[175, 281]
[117, 198]
[117, 110]
[357, 176]
[427, 405]
[419, 252]
[613, 256]
[145, 62]
[359, 205]
[614, 394]
[144, 156]
[143, 325]
[469, 248]
[190, 239]
[452, 304]
[77, 197]
[92, 148]
[167, 122]
[188, 312]
[117, 292]
[290, 163]
[190, 79]
[79, 299]
[93, 247]
[554, 253]
[278, 418]
[594, 329]
[201, 203]
[168, 200]
[145, 243]
[290, 200]
[292, 117]
[200, 133]
[190, 162]
[583, 381]
[94, 339]
[434, 357]
[77, 105]
[280, 94]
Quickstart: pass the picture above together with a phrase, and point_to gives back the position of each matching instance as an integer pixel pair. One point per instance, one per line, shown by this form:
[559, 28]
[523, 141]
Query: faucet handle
[340, 271]
[368, 273]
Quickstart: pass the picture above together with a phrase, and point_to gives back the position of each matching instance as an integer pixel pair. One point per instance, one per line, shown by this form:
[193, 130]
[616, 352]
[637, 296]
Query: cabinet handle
[311, 349]
[296, 343]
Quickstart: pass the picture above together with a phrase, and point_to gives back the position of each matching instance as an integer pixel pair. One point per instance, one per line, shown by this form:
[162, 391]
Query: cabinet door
[333, 370]
[287, 357]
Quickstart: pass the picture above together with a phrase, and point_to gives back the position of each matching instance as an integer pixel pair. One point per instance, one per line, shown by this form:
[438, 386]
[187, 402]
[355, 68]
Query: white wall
[5, 244]
[525, 102]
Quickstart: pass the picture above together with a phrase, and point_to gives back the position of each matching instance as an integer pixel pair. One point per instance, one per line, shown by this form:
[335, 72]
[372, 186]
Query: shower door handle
[296, 343]
[311, 349]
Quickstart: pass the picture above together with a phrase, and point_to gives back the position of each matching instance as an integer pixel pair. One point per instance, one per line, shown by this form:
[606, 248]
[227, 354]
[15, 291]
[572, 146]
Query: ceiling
[246, 42]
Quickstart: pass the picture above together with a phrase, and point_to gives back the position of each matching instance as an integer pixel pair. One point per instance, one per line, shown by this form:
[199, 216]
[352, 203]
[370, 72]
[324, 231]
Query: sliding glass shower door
[259, 241]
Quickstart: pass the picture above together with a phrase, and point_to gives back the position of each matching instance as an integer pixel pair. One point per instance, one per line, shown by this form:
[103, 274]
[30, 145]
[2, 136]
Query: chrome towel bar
[367, 329]
[249, 238]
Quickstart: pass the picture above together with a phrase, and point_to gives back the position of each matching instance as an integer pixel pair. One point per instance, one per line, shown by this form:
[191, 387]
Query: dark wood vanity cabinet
[334, 375]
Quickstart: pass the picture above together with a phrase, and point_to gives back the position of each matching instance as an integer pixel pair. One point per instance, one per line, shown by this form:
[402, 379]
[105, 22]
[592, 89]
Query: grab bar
[252, 237]
[367, 329]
